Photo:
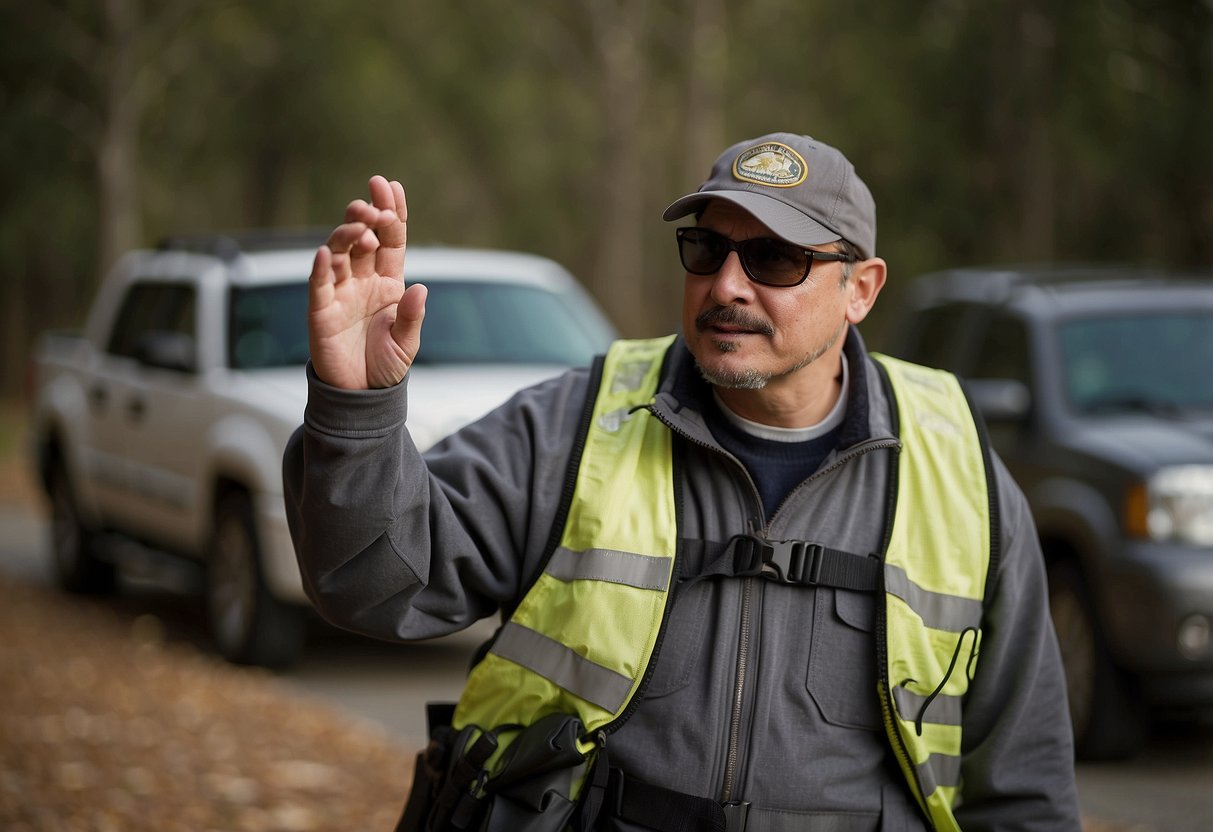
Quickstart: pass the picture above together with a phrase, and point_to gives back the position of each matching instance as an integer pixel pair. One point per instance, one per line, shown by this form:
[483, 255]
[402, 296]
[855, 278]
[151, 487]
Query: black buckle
[785, 561]
[736, 815]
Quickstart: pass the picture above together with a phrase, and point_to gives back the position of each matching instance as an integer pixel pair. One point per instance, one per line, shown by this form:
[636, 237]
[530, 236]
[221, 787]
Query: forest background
[990, 131]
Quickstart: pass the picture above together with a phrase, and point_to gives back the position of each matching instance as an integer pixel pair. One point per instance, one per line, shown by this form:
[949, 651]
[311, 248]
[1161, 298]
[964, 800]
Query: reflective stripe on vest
[580, 641]
[935, 577]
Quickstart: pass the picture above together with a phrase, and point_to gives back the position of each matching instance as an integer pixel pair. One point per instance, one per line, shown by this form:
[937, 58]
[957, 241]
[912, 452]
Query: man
[755, 579]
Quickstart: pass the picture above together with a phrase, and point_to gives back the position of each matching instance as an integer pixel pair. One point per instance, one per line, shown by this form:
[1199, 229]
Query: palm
[364, 326]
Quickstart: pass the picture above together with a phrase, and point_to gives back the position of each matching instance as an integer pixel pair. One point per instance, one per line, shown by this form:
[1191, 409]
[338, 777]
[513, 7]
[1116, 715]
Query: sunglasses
[765, 260]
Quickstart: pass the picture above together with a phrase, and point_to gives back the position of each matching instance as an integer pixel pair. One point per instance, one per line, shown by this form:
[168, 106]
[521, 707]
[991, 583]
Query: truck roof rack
[230, 245]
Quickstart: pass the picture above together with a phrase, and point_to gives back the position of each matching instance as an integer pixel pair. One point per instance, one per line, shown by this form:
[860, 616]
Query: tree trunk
[705, 88]
[120, 224]
[617, 278]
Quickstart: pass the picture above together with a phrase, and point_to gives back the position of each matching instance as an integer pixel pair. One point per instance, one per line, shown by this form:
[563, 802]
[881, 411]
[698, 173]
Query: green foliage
[989, 130]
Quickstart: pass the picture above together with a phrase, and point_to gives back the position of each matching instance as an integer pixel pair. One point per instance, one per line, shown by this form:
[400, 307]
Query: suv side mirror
[167, 351]
[1000, 399]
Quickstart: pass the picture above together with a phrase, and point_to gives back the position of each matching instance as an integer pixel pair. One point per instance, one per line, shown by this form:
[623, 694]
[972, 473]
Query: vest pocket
[842, 659]
[682, 642]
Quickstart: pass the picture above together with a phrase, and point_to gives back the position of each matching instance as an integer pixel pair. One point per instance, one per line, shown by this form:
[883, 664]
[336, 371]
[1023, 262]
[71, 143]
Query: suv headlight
[1176, 503]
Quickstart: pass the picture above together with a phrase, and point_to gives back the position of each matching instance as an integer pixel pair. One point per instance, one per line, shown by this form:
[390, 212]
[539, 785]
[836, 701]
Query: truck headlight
[1176, 503]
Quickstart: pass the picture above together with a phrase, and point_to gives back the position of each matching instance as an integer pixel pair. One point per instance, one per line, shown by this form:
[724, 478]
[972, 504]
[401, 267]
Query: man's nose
[731, 284]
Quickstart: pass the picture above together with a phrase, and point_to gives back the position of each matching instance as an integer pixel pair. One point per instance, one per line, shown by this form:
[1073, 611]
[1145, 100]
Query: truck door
[152, 386]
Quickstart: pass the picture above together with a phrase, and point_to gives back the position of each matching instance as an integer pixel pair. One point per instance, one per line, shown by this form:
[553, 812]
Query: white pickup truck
[165, 420]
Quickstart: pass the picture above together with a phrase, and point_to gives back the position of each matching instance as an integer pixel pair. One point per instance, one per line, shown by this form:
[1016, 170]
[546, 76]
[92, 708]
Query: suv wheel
[1109, 721]
[249, 625]
[73, 544]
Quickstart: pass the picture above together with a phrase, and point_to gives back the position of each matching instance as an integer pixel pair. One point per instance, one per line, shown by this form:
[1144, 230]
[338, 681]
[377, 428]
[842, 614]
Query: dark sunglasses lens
[702, 252]
[774, 262]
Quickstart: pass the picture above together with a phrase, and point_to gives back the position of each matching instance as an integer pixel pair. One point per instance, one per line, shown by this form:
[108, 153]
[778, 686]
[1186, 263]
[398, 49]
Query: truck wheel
[74, 545]
[1109, 720]
[249, 625]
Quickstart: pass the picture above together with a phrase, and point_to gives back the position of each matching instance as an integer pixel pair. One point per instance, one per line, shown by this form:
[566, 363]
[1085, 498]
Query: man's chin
[732, 376]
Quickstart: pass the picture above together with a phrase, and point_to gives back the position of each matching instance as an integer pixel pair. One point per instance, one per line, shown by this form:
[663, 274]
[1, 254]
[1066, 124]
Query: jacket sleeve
[1018, 756]
[397, 545]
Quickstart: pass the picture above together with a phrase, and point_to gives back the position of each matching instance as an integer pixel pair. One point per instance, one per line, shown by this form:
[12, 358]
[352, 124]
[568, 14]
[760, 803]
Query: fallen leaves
[104, 726]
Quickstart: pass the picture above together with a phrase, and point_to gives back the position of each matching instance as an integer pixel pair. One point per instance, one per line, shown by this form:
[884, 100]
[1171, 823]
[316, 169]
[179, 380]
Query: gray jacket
[762, 692]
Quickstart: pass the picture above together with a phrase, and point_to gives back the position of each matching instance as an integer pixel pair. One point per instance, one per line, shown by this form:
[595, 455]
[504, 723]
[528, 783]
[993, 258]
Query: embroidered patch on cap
[771, 164]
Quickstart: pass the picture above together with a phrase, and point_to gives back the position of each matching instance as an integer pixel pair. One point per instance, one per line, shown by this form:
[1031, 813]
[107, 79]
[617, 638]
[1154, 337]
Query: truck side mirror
[167, 351]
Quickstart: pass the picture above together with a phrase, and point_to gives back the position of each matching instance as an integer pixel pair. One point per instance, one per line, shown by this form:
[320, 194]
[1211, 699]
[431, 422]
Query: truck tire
[248, 624]
[1110, 723]
[73, 544]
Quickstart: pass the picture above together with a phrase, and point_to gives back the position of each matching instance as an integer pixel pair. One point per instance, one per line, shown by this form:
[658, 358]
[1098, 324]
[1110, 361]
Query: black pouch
[531, 792]
[446, 775]
[451, 792]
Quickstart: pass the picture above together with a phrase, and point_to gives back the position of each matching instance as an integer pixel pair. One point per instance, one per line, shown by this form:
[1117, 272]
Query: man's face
[749, 336]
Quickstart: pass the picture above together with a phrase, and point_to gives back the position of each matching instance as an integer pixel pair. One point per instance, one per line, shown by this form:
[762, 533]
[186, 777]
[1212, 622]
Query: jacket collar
[683, 395]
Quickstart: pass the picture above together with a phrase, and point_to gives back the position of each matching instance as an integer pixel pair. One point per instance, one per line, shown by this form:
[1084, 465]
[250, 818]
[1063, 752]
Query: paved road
[1169, 788]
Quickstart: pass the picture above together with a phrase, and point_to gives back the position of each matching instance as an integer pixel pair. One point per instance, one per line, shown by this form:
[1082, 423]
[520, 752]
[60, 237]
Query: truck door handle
[98, 396]
[135, 408]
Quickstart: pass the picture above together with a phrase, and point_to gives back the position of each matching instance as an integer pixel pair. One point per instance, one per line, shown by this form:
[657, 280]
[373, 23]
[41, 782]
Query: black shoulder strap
[987, 458]
[570, 477]
[890, 500]
[983, 439]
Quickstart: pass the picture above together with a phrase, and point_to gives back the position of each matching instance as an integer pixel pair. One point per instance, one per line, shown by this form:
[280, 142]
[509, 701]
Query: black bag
[453, 793]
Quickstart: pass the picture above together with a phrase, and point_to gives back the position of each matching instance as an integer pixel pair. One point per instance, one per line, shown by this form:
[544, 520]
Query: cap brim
[781, 218]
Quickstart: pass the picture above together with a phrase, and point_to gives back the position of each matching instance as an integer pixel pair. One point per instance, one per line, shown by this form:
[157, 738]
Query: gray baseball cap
[804, 190]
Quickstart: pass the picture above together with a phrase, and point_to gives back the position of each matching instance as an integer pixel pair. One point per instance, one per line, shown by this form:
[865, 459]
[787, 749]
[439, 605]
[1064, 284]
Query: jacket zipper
[739, 685]
[733, 751]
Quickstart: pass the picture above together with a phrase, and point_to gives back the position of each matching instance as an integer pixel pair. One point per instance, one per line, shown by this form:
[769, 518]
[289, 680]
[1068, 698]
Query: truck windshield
[1153, 362]
[466, 322]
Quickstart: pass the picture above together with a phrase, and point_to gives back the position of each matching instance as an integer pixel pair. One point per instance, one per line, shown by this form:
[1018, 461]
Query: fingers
[392, 231]
[385, 215]
[352, 245]
[370, 241]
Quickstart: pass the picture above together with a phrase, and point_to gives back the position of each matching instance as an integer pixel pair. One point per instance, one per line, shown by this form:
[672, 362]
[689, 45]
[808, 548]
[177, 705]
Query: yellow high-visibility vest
[581, 640]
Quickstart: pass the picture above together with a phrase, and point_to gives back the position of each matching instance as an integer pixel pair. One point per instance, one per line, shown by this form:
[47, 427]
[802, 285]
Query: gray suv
[1097, 388]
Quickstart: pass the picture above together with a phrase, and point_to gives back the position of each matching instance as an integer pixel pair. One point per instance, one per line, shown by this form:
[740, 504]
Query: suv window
[1156, 361]
[152, 309]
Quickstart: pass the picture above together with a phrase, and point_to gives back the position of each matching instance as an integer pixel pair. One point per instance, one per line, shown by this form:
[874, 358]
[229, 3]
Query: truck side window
[152, 308]
[1002, 352]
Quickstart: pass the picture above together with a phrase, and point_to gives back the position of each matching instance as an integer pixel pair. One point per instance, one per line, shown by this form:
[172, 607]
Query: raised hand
[364, 326]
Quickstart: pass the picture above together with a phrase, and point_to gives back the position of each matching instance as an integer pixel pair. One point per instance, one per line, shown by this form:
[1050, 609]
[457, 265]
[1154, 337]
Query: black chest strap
[797, 562]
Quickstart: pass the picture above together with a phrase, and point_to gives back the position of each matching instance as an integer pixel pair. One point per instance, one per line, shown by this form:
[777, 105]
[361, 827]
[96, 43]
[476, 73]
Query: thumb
[410, 312]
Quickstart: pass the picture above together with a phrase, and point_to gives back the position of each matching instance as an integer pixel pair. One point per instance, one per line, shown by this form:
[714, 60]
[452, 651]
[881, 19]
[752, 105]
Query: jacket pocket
[842, 659]
[682, 643]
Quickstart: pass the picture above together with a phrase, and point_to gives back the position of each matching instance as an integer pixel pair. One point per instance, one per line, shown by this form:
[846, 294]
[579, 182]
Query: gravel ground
[104, 726]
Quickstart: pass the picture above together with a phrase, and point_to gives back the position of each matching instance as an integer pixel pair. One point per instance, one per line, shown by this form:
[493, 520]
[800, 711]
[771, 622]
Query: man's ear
[866, 280]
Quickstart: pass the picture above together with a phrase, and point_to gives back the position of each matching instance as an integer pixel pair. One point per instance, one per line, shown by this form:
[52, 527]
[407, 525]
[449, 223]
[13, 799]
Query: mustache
[732, 316]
